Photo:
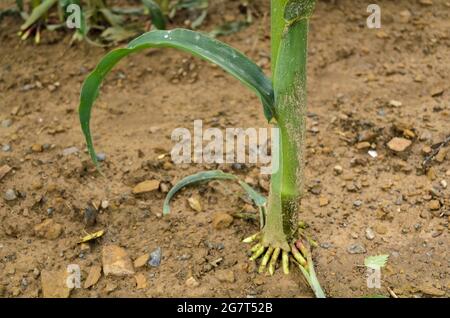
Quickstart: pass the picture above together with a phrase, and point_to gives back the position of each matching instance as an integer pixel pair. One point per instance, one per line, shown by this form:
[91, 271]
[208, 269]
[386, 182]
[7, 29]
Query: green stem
[289, 80]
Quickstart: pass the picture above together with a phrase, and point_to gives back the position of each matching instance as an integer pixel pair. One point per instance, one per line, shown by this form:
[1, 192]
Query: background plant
[284, 103]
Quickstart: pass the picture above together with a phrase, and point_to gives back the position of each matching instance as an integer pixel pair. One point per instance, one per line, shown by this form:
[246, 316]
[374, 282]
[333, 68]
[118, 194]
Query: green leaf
[376, 262]
[193, 179]
[37, 13]
[231, 60]
[158, 19]
[259, 200]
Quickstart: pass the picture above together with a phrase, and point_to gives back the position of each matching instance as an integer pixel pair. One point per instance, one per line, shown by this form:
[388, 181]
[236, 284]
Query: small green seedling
[284, 104]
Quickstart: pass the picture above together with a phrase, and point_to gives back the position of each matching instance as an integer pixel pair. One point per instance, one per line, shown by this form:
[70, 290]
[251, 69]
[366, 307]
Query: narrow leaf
[231, 60]
[193, 179]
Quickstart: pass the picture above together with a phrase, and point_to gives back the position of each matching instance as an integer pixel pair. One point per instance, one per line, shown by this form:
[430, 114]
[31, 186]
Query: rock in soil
[146, 186]
[93, 277]
[399, 144]
[192, 282]
[116, 261]
[431, 291]
[4, 170]
[155, 257]
[54, 284]
[222, 221]
[225, 276]
[10, 195]
[434, 205]
[141, 260]
[370, 235]
[356, 249]
[48, 229]
[141, 281]
[70, 151]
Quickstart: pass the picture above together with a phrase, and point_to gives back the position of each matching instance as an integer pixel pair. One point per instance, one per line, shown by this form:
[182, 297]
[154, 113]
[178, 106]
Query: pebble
[222, 220]
[141, 281]
[146, 186]
[440, 157]
[101, 156]
[70, 151]
[192, 282]
[395, 103]
[357, 203]
[116, 261]
[48, 229]
[4, 170]
[356, 249]
[444, 184]
[37, 148]
[10, 195]
[141, 260]
[90, 216]
[434, 205]
[225, 276]
[363, 145]
[6, 148]
[155, 257]
[370, 235]
[323, 201]
[54, 284]
[93, 277]
[431, 291]
[195, 204]
[6, 123]
[399, 144]
[338, 169]
[425, 135]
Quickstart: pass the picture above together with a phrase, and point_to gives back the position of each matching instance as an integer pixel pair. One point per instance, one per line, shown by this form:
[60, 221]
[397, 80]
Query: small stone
[146, 186]
[426, 150]
[431, 291]
[116, 261]
[93, 277]
[338, 169]
[434, 205]
[7, 123]
[323, 201]
[104, 204]
[426, 2]
[10, 195]
[54, 284]
[48, 229]
[444, 184]
[222, 221]
[70, 151]
[399, 144]
[370, 235]
[225, 276]
[141, 281]
[155, 257]
[4, 170]
[6, 148]
[356, 249]
[357, 203]
[195, 204]
[395, 103]
[37, 148]
[141, 260]
[101, 156]
[380, 229]
[90, 216]
[425, 135]
[363, 145]
[192, 282]
[440, 157]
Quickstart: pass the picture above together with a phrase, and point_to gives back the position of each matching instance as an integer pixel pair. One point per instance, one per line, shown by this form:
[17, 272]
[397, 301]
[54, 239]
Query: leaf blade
[231, 60]
[376, 262]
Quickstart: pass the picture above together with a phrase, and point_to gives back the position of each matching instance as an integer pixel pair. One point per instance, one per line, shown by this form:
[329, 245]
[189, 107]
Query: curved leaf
[231, 60]
[259, 200]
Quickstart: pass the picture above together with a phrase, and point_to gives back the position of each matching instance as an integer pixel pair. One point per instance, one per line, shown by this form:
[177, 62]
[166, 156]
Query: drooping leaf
[158, 19]
[231, 60]
[376, 262]
[259, 200]
[37, 13]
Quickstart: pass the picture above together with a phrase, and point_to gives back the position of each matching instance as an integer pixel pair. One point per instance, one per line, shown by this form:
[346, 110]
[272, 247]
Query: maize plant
[284, 104]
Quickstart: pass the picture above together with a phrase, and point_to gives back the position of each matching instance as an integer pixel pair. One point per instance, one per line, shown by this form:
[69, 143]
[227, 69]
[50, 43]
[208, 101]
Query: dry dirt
[364, 85]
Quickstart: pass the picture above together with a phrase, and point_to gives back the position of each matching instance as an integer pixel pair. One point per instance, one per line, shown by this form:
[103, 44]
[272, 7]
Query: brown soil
[354, 74]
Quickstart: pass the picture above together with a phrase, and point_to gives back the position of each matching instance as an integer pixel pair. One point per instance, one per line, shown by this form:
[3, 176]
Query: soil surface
[366, 87]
